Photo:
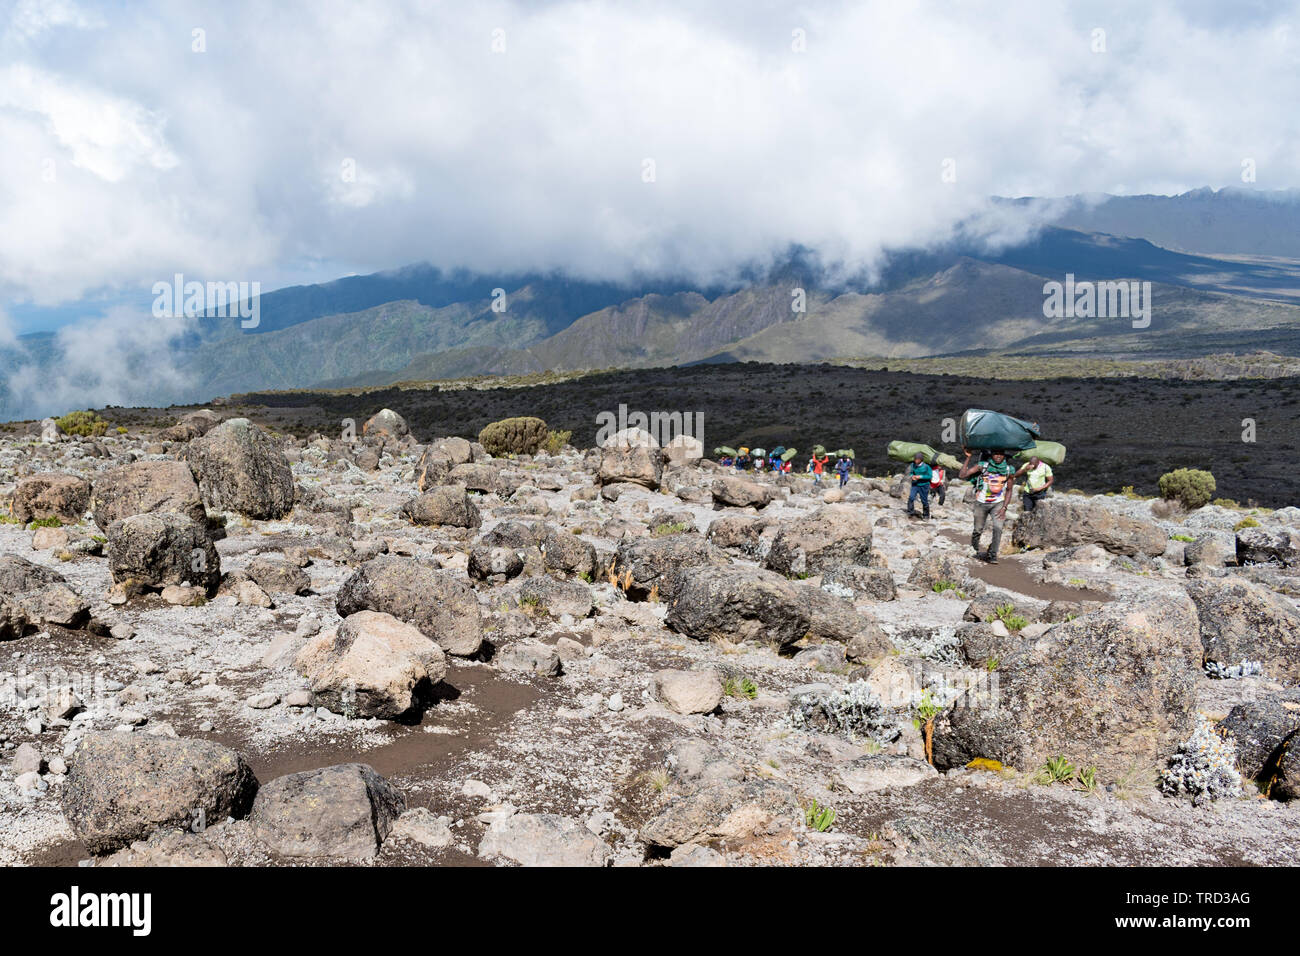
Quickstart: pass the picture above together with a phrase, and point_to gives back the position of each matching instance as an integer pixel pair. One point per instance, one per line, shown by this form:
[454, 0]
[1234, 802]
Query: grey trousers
[984, 511]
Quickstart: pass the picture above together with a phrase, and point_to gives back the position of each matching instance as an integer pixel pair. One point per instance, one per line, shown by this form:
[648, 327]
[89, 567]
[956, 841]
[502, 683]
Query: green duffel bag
[1052, 452]
[945, 460]
[789, 453]
[724, 452]
[844, 453]
[988, 430]
[758, 453]
[906, 451]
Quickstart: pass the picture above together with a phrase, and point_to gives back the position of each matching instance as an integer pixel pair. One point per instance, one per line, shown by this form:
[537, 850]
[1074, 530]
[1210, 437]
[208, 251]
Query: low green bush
[514, 436]
[1190, 487]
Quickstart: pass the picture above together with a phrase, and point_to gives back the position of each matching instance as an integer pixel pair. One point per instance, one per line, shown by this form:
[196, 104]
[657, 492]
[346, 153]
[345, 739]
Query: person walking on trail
[1038, 480]
[842, 469]
[920, 474]
[817, 465]
[992, 495]
[938, 482]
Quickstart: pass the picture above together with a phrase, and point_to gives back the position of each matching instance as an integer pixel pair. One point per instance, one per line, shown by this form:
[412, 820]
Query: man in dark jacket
[920, 474]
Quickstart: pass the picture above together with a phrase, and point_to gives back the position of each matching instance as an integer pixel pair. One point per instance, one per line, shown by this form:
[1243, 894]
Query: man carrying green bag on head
[992, 495]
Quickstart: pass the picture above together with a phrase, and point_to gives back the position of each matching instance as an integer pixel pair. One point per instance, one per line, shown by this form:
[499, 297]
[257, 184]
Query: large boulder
[163, 548]
[688, 692]
[143, 487]
[733, 491]
[1269, 546]
[1260, 729]
[443, 607]
[450, 505]
[51, 495]
[740, 532]
[739, 604]
[683, 450]
[1244, 621]
[191, 425]
[833, 618]
[32, 596]
[831, 536]
[1286, 784]
[240, 468]
[123, 786]
[477, 476]
[645, 565]
[341, 812]
[387, 424]
[940, 567]
[372, 665]
[1112, 689]
[636, 464]
[556, 597]
[1066, 520]
[278, 576]
[1213, 549]
[871, 584]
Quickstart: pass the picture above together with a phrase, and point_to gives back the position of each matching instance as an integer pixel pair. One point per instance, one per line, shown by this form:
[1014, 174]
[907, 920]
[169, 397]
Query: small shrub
[1057, 770]
[514, 436]
[50, 522]
[940, 586]
[665, 529]
[1245, 523]
[86, 424]
[819, 818]
[1182, 537]
[556, 441]
[1190, 487]
[1006, 613]
[1225, 503]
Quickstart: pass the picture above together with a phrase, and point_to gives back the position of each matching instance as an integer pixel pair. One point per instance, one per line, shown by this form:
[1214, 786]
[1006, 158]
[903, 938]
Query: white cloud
[226, 164]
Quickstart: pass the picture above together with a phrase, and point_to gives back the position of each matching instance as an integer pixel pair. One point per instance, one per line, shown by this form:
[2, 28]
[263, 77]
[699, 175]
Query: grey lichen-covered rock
[1108, 689]
[372, 665]
[730, 810]
[51, 495]
[831, 536]
[1214, 549]
[738, 604]
[660, 565]
[162, 548]
[543, 839]
[556, 597]
[1067, 520]
[1269, 546]
[167, 847]
[1260, 729]
[732, 491]
[738, 532]
[872, 584]
[385, 423]
[688, 692]
[636, 464]
[1244, 621]
[440, 603]
[884, 772]
[939, 567]
[240, 468]
[278, 576]
[143, 487]
[529, 657]
[123, 787]
[341, 812]
[450, 505]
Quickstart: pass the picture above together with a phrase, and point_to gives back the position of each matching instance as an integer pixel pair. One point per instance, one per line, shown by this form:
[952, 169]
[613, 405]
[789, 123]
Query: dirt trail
[1010, 574]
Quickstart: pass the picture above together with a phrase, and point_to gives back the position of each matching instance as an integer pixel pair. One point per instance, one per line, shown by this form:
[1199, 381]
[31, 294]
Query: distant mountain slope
[1233, 221]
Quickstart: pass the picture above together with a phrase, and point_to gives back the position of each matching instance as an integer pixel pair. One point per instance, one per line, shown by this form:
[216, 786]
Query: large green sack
[724, 452]
[843, 453]
[984, 429]
[1052, 452]
[906, 451]
[758, 452]
[789, 453]
[945, 460]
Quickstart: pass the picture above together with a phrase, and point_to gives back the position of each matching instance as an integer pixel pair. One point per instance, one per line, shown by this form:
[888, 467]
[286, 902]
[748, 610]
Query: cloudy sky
[290, 142]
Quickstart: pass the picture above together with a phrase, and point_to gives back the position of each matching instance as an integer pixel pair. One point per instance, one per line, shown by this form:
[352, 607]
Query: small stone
[27, 759]
[58, 766]
[206, 726]
[615, 702]
[476, 788]
[298, 698]
[180, 595]
[33, 726]
[132, 717]
[30, 783]
[263, 701]
[121, 631]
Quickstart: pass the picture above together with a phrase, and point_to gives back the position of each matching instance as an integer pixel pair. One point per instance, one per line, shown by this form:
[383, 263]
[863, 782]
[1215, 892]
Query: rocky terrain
[227, 646]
